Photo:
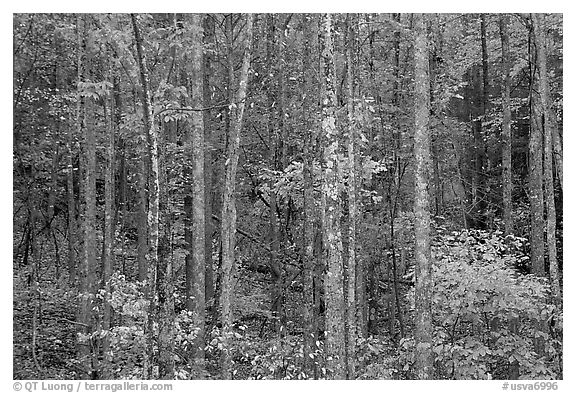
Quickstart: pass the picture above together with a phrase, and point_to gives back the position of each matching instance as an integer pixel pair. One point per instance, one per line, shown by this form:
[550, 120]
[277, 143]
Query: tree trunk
[544, 91]
[535, 183]
[89, 260]
[209, 33]
[142, 247]
[228, 204]
[196, 273]
[83, 348]
[35, 295]
[334, 285]
[506, 129]
[153, 204]
[352, 205]
[423, 289]
[274, 105]
[72, 229]
[165, 270]
[108, 255]
[308, 99]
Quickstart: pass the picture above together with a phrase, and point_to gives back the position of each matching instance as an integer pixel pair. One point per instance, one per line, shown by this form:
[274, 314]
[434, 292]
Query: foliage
[486, 314]
[376, 358]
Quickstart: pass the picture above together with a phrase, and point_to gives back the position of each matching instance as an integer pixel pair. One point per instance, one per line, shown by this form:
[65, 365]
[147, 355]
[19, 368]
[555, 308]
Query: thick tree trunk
[334, 284]
[196, 272]
[228, 204]
[547, 124]
[153, 209]
[423, 289]
[506, 129]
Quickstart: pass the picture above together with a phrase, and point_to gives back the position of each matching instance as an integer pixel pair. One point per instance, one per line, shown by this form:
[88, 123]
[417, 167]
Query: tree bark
[153, 205]
[334, 284]
[108, 261]
[209, 33]
[506, 129]
[273, 155]
[535, 182]
[423, 289]
[89, 260]
[197, 270]
[308, 99]
[352, 204]
[228, 204]
[547, 124]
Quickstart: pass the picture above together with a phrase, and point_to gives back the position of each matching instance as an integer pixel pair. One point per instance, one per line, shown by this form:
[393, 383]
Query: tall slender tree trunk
[71, 202]
[228, 204]
[506, 129]
[334, 284]
[209, 34]
[514, 370]
[196, 272]
[83, 348]
[423, 289]
[352, 204]
[72, 225]
[535, 180]
[165, 270]
[142, 214]
[35, 295]
[153, 203]
[55, 164]
[361, 298]
[142, 246]
[108, 261]
[89, 259]
[166, 317]
[308, 99]
[547, 124]
[273, 154]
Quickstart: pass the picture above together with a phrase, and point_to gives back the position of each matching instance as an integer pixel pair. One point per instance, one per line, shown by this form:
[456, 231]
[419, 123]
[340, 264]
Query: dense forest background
[287, 196]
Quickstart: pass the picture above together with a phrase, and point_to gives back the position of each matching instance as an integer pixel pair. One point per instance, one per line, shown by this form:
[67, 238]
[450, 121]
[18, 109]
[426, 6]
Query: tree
[274, 123]
[228, 203]
[89, 259]
[334, 285]
[309, 315]
[208, 158]
[352, 205]
[153, 206]
[547, 124]
[423, 290]
[506, 128]
[108, 262]
[535, 179]
[195, 272]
